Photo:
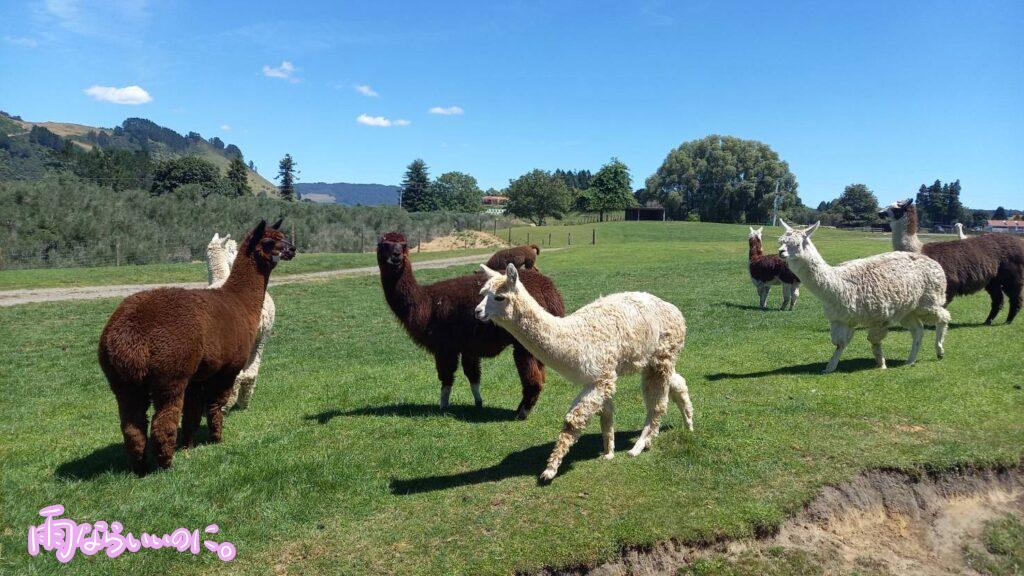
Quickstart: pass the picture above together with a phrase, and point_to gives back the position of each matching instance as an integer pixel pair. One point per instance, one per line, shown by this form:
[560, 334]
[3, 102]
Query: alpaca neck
[248, 280]
[541, 332]
[404, 295]
[813, 271]
[755, 249]
[904, 233]
[217, 266]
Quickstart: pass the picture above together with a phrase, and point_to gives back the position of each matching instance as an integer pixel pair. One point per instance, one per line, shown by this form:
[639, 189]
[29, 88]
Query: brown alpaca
[769, 270]
[441, 318]
[994, 262]
[181, 350]
[521, 256]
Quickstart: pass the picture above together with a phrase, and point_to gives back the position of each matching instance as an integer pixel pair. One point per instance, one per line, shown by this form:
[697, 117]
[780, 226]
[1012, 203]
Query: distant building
[1011, 226]
[495, 205]
[645, 213]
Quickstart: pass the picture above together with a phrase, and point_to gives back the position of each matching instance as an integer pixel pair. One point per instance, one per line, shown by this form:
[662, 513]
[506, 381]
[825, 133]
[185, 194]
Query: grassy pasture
[344, 465]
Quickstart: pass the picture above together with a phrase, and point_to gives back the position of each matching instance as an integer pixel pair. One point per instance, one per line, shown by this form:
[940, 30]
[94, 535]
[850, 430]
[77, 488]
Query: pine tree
[286, 175]
[238, 178]
[416, 193]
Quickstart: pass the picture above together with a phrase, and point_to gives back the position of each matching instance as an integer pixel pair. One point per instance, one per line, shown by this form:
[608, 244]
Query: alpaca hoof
[608, 455]
[635, 451]
[521, 414]
[479, 403]
[827, 371]
[547, 475]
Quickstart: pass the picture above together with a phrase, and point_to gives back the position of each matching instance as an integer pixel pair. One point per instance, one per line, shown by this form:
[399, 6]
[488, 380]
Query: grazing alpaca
[768, 270]
[182, 349]
[220, 255]
[439, 317]
[994, 262]
[874, 292]
[960, 231]
[521, 256]
[612, 336]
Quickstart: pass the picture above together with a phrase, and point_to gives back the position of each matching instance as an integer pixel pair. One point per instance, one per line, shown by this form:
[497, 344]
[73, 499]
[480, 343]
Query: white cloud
[20, 41]
[365, 90]
[284, 71]
[449, 111]
[127, 95]
[225, 127]
[380, 121]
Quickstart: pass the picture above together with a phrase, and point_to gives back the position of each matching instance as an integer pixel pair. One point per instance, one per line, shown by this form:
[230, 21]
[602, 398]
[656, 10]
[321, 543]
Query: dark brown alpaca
[441, 318]
[994, 262]
[181, 350]
[769, 270]
[521, 256]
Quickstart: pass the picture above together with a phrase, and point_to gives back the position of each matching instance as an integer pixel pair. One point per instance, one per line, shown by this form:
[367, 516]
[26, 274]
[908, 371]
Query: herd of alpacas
[190, 353]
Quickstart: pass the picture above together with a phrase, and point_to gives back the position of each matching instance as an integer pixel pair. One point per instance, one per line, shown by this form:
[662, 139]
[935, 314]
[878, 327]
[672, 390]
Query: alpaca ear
[812, 228]
[787, 227]
[759, 230]
[216, 237]
[751, 229]
[256, 236]
[488, 272]
[277, 225]
[512, 274]
[908, 202]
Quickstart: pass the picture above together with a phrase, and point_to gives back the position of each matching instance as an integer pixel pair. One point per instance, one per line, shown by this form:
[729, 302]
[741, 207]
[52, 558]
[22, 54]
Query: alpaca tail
[124, 358]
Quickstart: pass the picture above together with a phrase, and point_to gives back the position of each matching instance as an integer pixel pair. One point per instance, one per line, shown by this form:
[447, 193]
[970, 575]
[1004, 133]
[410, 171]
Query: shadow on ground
[459, 412]
[528, 462]
[851, 365]
[98, 462]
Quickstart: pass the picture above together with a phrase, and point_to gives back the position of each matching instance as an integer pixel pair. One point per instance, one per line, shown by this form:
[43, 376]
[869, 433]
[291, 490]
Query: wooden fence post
[570, 238]
[593, 236]
[117, 253]
[549, 238]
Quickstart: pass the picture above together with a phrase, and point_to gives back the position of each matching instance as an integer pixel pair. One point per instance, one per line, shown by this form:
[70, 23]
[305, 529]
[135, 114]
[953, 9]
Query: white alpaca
[614, 335]
[875, 292]
[960, 231]
[220, 256]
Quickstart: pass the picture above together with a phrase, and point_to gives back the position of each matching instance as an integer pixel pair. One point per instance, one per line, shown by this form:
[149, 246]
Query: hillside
[24, 157]
[349, 194]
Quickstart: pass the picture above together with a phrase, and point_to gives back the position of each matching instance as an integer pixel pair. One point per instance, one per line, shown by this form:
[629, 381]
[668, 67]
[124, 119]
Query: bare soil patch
[463, 239]
[881, 522]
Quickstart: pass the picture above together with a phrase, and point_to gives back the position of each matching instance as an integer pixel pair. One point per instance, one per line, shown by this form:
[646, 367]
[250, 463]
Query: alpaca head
[796, 242]
[897, 210]
[501, 293]
[535, 248]
[392, 251]
[755, 233]
[959, 228]
[268, 245]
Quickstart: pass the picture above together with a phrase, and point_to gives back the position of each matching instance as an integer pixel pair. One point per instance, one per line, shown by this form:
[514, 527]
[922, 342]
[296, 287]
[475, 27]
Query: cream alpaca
[612, 336]
[960, 231]
[874, 292]
[220, 255]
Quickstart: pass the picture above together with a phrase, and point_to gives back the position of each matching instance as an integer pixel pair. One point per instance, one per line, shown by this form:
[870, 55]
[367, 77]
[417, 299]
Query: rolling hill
[348, 194]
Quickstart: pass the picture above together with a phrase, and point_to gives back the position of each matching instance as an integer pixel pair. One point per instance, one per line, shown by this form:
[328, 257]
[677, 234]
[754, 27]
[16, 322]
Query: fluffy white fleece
[615, 335]
[220, 256]
[896, 287]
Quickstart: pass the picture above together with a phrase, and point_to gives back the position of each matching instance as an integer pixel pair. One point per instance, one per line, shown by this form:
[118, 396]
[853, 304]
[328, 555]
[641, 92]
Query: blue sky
[891, 94]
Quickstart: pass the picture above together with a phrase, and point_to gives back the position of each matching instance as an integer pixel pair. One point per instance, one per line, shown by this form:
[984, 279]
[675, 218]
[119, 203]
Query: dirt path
[25, 296]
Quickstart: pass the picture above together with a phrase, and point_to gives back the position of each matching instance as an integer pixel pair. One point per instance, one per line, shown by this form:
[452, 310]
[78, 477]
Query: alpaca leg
[218, 393]
[589, 401]
[245, 384]
[681, 396]
[787, 295]
[995, 291]
[916, 328]
[163, 433]
[795, 294]
[192, 415]
[608, 428]
[841, 336]
[1014, 292]
[471, 368]
[941, 323]
[875, 335]
[131, 407]
[762, 292]
[656, 387]
[232, 399]
[531, 375]
[446, 364]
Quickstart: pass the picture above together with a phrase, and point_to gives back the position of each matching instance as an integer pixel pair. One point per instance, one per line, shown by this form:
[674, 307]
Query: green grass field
[343, 464]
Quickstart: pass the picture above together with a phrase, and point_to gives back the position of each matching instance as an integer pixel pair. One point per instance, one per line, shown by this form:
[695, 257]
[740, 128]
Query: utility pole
[775, 205]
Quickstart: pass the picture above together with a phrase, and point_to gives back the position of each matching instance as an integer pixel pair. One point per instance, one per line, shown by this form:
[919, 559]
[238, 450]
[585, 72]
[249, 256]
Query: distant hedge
[63, 221]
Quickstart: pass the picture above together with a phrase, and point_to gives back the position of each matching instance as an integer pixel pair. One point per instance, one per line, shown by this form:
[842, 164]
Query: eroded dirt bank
[881, 522]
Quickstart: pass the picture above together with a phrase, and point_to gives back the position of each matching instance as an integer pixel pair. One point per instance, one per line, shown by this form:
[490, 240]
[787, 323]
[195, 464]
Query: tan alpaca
[220, 255]
[612, 336]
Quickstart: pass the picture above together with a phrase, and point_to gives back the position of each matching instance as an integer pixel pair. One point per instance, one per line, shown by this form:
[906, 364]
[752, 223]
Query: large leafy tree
[939, 203]
[999, 214]
[856, 206]
[611, 188]
[722, 179]
[416, 194]
[537, 196]
[170, 174]
[238, 177]
[286, 178]
[457, 192]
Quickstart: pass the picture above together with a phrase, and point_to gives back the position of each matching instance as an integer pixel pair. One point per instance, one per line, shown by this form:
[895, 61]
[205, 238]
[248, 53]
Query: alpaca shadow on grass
[461, 412]
[813, 368]
[528, 462]
[749, 307]
[111, 459]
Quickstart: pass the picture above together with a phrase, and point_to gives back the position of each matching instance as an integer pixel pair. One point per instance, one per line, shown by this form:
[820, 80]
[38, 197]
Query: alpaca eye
[499, 298]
